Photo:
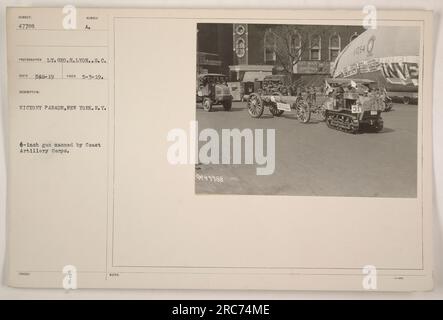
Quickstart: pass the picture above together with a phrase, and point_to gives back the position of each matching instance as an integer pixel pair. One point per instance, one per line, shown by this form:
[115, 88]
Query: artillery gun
[277, 94]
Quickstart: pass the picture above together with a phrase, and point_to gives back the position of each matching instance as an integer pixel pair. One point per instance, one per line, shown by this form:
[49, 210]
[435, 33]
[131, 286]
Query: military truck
[212, 89]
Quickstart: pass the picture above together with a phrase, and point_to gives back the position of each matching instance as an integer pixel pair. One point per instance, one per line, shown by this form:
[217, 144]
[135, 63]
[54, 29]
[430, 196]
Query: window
[296, 45]
[315, 47]
[240, 48]
[240, 29]
[355, 35]
[334, 46]
[270, 44]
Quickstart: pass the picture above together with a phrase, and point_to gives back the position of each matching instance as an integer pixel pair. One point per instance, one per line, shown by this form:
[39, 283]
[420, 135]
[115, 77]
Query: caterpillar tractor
[353, 105]
[212, 89]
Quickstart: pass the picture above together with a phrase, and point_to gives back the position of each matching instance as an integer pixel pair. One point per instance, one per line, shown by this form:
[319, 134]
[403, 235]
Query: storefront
[245, 79]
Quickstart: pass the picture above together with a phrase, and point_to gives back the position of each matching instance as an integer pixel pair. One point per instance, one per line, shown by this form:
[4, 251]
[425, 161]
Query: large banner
[386, 54]
[396, 70]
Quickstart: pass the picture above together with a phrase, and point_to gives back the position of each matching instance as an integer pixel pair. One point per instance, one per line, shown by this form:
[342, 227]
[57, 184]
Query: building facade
[214, 48]
[297, 49]
[255, 50]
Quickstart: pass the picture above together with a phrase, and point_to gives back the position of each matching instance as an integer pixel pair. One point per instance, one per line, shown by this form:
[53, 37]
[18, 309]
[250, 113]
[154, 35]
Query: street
[314, 160]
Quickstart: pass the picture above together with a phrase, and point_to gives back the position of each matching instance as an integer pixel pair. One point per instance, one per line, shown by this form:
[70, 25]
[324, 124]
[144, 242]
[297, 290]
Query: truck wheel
[406, 100]
[378, 126]
[303, 111]
[207, 104]
[227, 105]
[255, 106]
[275, 112]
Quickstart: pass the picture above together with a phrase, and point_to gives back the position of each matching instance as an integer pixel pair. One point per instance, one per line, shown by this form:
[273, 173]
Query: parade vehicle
[278, 95]
[391, 57]
[212, 89]
[352, 105]
[388, 101]
[277, 84]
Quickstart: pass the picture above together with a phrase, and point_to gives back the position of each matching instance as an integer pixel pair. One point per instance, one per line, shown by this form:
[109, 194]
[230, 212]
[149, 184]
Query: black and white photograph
[307, 110]
[250, 150]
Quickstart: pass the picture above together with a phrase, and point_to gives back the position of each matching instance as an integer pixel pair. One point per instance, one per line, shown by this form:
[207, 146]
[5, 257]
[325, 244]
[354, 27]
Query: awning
[251, 76]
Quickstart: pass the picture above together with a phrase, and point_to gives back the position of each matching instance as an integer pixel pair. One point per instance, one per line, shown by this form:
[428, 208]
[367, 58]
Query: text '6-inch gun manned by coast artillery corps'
[350, 105]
